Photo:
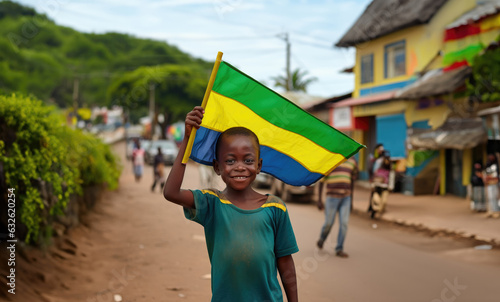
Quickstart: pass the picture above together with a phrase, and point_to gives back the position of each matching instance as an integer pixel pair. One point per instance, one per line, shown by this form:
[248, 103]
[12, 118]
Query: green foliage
[420, 156]
[43, 59]
[36, 149]
[484, 84]
[177, 89]
[299, 82]
[9, 8]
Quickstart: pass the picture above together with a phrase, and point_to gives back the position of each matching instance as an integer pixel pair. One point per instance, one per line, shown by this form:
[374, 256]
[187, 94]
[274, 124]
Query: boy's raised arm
[172, 190]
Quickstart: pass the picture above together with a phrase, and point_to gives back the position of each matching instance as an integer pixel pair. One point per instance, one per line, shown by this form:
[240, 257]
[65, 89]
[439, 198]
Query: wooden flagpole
[189, 146]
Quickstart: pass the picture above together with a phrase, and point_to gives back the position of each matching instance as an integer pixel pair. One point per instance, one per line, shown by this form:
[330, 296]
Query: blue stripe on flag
[286, 168]
[203, 150]
[274, 162]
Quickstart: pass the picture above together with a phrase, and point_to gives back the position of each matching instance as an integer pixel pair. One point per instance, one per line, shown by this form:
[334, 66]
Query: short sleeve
[203, 202]
[285, 243]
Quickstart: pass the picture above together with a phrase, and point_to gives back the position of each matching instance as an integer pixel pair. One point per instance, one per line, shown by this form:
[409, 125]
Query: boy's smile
[238, 162]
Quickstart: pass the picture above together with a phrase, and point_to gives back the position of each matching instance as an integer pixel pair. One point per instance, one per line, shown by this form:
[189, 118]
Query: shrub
[36, 148]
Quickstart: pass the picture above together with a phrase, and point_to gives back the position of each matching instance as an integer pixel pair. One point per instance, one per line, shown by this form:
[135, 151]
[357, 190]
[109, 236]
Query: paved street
[139, 246]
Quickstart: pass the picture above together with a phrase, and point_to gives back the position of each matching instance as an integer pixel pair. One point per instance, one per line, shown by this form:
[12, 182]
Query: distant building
[321, 107]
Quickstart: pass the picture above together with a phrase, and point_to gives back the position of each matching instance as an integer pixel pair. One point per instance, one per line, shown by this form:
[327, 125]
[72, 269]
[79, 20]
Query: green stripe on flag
[277, 110]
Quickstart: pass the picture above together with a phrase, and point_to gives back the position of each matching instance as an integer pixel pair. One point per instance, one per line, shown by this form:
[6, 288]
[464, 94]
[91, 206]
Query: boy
[249, 235]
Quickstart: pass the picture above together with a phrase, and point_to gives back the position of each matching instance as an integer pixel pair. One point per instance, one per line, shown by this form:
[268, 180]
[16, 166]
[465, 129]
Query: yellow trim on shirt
[225, 201]
[274, 204]
[265, 205]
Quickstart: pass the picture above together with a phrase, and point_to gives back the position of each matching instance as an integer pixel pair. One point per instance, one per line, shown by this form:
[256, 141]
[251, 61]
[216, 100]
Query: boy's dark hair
[236, 131]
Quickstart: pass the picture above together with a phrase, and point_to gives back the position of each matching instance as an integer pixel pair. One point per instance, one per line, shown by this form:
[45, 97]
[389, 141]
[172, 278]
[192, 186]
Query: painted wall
[373, 109]
[422, 44]
[434, 112]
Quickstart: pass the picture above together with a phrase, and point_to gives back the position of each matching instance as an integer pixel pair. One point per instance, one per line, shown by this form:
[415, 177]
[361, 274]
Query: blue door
[391, 131]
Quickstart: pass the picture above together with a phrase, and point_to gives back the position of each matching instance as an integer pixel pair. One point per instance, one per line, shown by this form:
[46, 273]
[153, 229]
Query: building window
[367, 69]
[395, 59]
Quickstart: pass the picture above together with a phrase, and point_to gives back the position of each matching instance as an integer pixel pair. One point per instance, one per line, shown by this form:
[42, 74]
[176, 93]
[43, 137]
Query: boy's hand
[193, 119]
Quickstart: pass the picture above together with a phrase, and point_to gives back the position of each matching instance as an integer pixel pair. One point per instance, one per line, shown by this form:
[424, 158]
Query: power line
[308, 35]
[257, 53]
[314, 44]
[221, 38]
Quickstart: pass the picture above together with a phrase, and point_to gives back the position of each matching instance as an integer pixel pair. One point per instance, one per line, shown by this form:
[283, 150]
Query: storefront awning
[489, 111]
[365, 99]
[483, 9]
[435, 82]
[455, 133]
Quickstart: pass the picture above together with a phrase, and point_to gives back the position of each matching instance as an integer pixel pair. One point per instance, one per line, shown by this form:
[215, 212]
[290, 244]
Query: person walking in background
[138, 161]
[158, 167]
[478, 201]
[338, 200]
[491, 182]
[377, 152]
[381, 184]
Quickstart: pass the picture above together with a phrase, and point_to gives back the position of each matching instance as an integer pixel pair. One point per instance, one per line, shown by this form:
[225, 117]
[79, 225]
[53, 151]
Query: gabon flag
[295, 146]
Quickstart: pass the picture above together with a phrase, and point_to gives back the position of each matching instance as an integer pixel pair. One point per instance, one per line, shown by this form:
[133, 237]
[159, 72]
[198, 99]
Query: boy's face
[238, 161]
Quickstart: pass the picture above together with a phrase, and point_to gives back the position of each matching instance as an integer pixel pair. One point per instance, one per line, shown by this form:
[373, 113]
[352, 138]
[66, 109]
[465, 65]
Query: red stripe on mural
[456, 65]
[461, 32]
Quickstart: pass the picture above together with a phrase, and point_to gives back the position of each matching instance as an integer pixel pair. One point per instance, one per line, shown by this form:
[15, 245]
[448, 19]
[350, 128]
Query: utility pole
[288, 75]
[76, 88]
[152, 107]
[284, 37]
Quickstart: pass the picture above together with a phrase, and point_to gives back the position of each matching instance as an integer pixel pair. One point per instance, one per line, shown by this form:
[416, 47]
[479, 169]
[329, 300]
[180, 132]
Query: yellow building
[412, 60]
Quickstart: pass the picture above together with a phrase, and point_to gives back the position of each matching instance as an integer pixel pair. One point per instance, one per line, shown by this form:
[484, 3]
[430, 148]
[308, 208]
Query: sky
[249, 33]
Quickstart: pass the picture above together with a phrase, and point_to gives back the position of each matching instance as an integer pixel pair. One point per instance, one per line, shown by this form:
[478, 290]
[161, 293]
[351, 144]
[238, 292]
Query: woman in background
[478, 201]
[491, 183]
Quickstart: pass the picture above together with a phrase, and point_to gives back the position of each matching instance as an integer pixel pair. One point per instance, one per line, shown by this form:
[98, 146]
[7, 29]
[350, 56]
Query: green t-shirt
[243, 245]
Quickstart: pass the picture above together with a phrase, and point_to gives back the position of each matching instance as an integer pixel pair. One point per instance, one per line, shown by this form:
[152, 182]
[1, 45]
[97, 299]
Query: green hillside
[41, 58]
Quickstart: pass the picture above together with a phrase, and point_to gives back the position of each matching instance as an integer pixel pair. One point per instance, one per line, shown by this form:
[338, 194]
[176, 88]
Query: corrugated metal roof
[435, 82]
[489, 111]
[455, 133]
[316, 104]
[366, 99]
[383, 17]
[300, 98]
[483, 9]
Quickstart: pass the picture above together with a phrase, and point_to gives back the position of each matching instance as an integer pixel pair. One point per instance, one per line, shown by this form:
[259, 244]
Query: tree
[299, 80]
[12, 9]
[177, 89]
[484, 84]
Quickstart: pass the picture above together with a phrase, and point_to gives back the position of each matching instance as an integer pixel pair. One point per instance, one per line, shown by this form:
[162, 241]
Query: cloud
[245, 30]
